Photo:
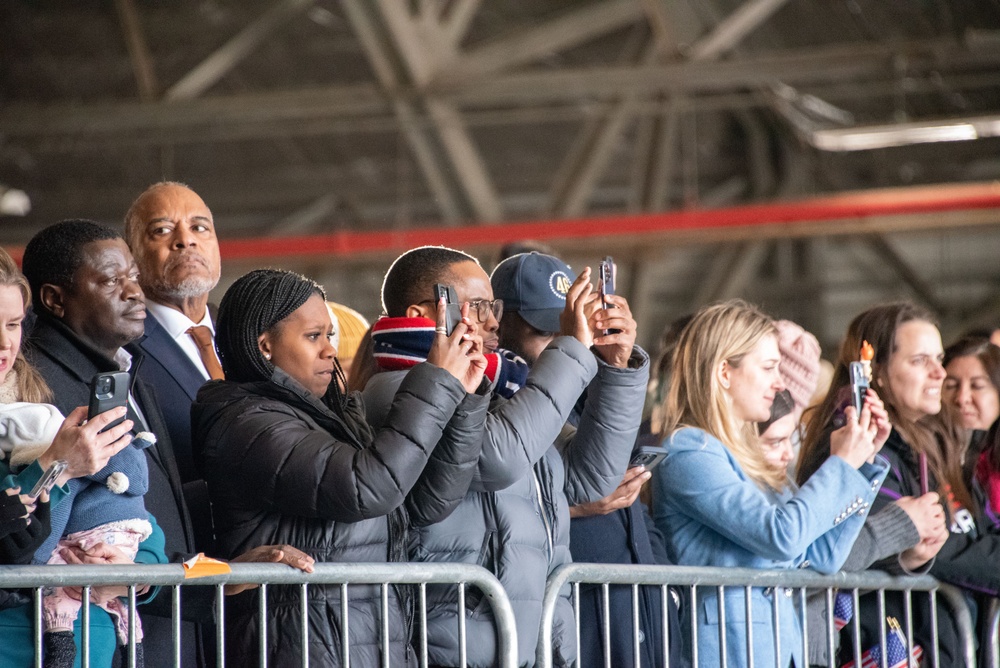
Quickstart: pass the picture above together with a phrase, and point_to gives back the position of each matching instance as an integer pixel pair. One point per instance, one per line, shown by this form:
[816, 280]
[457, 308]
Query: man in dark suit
[171, 234]
[172, 237]
[90, 313]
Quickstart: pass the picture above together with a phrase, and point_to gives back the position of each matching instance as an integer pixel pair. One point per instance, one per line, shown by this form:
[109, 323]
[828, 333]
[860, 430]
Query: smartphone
[859, 386]
[648, 456]
[48, 479]
[108, 390]
[453, 310]
[606, 277]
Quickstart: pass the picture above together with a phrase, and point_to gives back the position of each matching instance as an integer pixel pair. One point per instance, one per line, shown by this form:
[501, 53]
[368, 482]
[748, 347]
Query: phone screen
[607, 279]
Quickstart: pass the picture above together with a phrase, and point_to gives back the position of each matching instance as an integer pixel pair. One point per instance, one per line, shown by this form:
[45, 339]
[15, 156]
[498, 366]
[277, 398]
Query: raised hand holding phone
[453, 309]
[607, 278]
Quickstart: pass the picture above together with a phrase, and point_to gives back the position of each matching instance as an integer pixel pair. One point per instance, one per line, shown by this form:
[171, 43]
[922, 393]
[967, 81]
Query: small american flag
[895, 650]
[843, 609]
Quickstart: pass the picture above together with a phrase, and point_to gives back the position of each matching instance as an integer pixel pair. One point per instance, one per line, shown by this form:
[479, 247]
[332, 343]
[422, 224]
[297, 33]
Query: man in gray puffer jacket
[515, 520]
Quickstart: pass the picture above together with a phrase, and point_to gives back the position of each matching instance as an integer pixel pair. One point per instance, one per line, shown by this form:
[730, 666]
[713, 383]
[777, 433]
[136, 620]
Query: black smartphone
[859, 386]
[48, 479]
[108, 390]
[648, 456]
[453, 310]
[607, 277]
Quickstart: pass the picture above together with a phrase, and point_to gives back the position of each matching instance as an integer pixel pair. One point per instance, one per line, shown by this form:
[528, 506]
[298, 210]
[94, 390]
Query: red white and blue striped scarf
[402, 343]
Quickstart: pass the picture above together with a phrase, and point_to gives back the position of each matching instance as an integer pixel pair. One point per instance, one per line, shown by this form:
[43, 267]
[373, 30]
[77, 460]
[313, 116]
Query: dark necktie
[206, 348]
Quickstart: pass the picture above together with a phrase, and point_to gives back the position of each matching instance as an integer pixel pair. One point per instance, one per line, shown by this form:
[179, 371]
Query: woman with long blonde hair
[719, 503]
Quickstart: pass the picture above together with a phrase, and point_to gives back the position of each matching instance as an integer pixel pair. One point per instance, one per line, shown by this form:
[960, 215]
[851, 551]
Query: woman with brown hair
[925, 451]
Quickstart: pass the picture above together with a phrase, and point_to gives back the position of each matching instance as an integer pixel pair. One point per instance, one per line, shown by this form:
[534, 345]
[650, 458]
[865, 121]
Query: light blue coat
[712, 514]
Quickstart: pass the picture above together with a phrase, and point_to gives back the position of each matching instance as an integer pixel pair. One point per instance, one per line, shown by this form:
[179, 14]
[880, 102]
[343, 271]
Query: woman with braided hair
[289, 458]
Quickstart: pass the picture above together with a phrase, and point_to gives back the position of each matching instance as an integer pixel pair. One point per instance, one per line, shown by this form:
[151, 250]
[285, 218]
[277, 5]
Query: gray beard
[189, 288]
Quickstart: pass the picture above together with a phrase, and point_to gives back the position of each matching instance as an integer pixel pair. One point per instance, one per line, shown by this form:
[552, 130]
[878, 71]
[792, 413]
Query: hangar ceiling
[299, 117]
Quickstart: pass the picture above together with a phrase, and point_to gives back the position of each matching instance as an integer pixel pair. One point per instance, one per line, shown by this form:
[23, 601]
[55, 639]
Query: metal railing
[172, 576]
[693, 578]
[993, 634]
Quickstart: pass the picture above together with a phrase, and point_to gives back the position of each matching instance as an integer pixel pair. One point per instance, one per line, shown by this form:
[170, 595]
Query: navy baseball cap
[534, 285]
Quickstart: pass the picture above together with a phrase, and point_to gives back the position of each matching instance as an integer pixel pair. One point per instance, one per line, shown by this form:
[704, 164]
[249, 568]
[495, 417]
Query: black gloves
[19, 538]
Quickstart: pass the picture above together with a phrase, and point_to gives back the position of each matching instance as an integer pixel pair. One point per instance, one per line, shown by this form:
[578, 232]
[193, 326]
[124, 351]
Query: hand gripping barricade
[696, 580]
[173, 576]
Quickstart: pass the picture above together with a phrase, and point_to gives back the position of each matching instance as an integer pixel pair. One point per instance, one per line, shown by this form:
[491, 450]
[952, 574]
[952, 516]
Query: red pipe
[865, 204]
[845, 206]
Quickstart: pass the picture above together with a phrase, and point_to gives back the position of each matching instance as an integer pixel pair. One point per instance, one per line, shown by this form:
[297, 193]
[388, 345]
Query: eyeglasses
[482, 308]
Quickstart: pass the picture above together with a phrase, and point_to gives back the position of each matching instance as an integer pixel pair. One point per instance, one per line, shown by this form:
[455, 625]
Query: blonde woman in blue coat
[717, 501]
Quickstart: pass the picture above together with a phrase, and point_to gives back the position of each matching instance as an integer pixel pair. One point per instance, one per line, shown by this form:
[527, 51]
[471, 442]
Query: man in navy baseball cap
[533, 288]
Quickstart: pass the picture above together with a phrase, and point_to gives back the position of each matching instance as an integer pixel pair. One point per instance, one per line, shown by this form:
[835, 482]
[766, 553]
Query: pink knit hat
[800, 354]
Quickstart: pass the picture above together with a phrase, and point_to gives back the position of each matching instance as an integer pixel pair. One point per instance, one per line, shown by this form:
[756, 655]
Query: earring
[267, 356]
[724, 383]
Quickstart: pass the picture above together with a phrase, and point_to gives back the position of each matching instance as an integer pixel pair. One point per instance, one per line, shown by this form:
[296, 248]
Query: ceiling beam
[138, 50]
[571, 197]
[306, 219]
[857, 65]
[392, 74]
[209, 71]
[731, 30]
[920, 288]
[456, 23]
[528, 44]
[442, 145]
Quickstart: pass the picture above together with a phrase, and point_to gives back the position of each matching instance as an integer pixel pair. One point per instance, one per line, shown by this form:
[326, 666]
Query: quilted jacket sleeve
[520, 430]
[598, 454]
[301, 470]
[449, 471]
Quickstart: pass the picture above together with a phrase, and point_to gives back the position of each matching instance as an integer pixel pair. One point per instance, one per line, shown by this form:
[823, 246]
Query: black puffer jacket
[973, 542]
[282, 468]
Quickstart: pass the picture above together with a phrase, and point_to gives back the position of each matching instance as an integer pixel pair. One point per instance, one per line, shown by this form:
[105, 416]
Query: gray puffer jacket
[284, 469]
[515, 519]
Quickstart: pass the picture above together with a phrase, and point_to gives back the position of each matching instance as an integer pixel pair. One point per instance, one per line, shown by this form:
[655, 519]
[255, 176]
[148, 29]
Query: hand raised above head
[880, 418]
[615, 349]
[461, 352]
[855, 441]
[581, 302]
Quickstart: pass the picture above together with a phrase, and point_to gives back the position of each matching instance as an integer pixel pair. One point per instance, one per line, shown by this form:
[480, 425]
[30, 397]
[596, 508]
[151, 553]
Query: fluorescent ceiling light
[865, 138]
[14, 202]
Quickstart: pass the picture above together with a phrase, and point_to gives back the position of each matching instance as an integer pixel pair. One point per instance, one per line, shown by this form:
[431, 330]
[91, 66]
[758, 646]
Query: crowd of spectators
[502, 431]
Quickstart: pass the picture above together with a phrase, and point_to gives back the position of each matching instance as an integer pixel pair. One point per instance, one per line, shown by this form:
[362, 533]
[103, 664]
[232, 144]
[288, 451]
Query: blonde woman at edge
[717, 501]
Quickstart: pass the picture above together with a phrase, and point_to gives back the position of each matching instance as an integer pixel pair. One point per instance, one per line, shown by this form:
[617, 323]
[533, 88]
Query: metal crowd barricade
[693, 578]
[993, 633]
[171, 578]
